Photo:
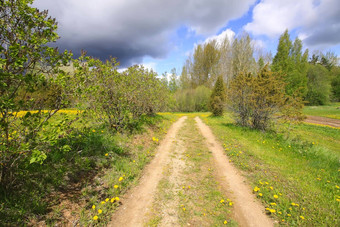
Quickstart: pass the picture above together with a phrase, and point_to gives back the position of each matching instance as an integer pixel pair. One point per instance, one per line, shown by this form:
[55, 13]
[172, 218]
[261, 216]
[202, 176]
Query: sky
[160, 34]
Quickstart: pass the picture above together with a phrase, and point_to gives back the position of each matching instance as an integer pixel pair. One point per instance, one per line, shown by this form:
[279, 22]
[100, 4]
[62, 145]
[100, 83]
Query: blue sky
[160, 33]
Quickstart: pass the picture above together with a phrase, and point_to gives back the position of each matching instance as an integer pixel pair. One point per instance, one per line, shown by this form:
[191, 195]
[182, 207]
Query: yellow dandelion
[107, 200]
[100, 211]
[276, 196]
[222, 201]
[337, 186]
[271, 188]
[260, 194]
[120, 179]
[95, 218]
[102, 202]
[289, 215]
[102, 131]
[293, 204]
[283, 220]
[256, 189]
[133, 161]
[338, 200]
[116, 186]
[302, 217]
[189, 187]
[225, 222]
[93, 207]
[279, 212]
[273, 204]
[106, 154]
[183, 208]
[231, 204]
[93, 130]
[112, 200]
[117, 198]
[266, 182]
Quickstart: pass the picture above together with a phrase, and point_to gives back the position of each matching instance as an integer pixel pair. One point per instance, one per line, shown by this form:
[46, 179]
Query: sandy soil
[323, 121]
[137, 202]
[248, 211]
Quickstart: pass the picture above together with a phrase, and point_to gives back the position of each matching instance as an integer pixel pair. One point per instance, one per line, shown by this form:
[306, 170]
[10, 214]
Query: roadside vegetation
[295, 173]
[75, 134]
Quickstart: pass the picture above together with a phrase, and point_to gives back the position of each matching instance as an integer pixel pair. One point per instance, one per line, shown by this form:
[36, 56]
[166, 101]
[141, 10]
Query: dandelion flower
[293, 204]
[100, 211]
[112, 200]
[283, 220]
[266, 182]
[95, 218]
[225, 222]
[222, 201]
[106, 154]
[337, 186]
[276, 196]
[117, 198]
[273, 204]
[133, 161]
[289, 215]
[120, 178]
[260, 194]
[93, 130]
[102, 202]
[107, 200]
[231, 204]
[271, 188]
[302, 217]
[116, 186]
[93, 207]
[183, 208]
[256, 189]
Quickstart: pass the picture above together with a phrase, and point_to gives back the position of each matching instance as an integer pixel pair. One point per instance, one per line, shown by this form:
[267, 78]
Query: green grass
[300, 167]
[330, 111]
[83, 164]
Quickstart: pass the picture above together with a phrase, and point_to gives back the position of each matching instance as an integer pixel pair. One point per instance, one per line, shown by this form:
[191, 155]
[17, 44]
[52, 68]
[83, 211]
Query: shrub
[192, 100]
[256, 100]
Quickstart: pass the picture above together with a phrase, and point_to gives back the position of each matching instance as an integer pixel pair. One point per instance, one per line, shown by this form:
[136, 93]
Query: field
[330, 111]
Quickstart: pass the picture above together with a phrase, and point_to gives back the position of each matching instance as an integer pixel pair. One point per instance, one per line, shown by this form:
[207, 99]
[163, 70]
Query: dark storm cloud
[131, 29]
[325, 30]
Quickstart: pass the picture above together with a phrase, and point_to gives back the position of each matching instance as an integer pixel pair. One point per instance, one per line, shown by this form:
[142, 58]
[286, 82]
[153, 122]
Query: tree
[319, 86]
[290, 61]
[256, 100]
[26, 65]
[218, 97]
[242, 55]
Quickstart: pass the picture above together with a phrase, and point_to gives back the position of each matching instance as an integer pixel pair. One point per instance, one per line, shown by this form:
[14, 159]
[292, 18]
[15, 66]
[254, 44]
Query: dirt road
[323, 121]
[189, 183]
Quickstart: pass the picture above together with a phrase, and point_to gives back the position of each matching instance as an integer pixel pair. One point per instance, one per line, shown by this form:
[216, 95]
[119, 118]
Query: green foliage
[319, 87]
[27, 64]
[290, 61]
[335, 83]
[192, 100]
[218, 97]
[256, 100]
[118, 99]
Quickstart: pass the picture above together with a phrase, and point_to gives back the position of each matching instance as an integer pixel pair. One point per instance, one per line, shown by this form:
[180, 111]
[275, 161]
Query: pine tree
[218, 97]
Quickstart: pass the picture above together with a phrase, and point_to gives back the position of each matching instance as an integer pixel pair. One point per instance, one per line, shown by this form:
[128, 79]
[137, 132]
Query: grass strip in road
[200, 199]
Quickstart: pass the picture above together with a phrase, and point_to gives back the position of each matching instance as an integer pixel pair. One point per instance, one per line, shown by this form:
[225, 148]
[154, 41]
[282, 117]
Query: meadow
[293, 171]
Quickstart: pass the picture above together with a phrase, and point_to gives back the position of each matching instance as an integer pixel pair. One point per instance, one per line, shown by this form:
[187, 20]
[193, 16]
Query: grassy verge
[198, 198]
[86, 169]
[330, 111]
[295, 176]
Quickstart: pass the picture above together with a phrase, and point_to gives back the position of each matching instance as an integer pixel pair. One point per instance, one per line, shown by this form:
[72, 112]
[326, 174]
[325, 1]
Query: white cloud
[150, 66]
[228, 33]
[316, 22]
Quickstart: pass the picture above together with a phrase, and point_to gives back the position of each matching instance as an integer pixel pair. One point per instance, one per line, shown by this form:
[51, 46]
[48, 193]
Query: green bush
[192, 100]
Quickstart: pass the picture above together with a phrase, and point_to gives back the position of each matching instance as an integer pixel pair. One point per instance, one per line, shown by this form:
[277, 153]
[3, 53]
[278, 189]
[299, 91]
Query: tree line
[247, 72]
